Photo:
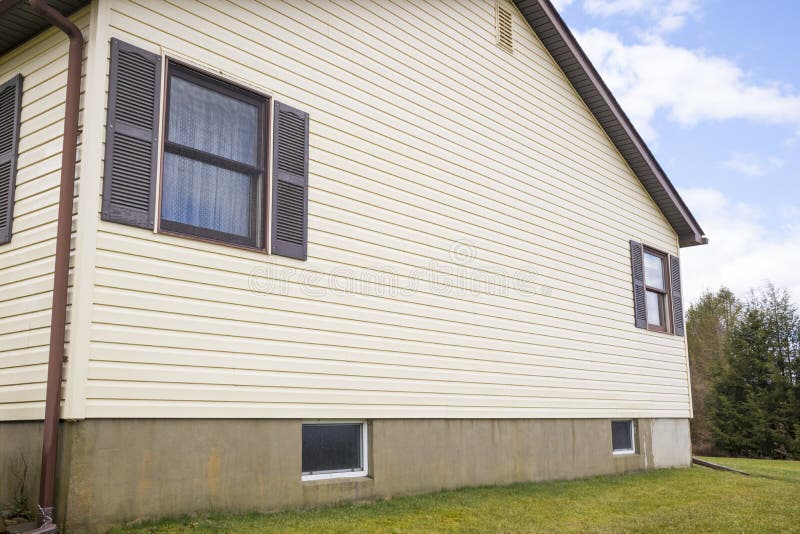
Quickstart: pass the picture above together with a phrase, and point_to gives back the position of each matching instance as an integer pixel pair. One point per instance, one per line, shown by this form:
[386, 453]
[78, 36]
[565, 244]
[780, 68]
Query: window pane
[206, 196]
[331, 447]
[621, 435]
[212, 122]
[654, 271]
[655, 308]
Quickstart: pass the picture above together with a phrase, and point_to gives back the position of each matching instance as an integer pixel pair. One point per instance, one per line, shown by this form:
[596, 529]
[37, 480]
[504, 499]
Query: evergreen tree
[755, 405]
[708, 326]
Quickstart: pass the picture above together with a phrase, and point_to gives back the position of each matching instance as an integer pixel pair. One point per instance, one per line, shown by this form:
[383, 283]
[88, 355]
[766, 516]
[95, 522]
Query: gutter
[58, 318]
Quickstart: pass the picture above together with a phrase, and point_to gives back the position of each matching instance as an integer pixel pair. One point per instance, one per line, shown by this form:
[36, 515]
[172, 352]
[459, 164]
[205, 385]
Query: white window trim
[344, 474]
[622, 452]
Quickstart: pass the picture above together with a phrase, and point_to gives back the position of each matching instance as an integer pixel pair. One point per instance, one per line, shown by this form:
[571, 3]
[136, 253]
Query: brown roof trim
[559, 41]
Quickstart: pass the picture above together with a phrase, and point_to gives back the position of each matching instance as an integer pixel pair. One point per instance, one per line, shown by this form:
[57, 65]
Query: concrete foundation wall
[672, 442]
[112, 471]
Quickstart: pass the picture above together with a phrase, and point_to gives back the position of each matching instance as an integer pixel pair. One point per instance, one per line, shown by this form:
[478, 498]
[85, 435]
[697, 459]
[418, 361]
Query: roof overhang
[19, 22]
[559, 41]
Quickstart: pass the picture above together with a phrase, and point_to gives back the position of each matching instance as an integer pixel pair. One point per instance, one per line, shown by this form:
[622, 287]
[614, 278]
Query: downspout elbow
[58, 20]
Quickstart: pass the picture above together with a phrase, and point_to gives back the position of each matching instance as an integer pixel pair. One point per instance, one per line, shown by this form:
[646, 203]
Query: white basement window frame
[361, 470]
[632, 436]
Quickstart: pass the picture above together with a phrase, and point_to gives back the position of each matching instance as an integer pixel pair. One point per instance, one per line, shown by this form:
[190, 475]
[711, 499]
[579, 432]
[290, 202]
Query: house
[324, 251]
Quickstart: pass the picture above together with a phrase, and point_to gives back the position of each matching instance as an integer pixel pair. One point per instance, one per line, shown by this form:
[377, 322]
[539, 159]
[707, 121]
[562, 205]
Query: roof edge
[566, 51]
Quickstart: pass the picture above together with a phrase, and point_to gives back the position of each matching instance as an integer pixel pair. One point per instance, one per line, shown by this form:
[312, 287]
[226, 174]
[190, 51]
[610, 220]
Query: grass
[674, 500]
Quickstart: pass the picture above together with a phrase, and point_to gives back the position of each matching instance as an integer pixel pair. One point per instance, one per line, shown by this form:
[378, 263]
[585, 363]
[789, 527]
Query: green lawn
[680, 500]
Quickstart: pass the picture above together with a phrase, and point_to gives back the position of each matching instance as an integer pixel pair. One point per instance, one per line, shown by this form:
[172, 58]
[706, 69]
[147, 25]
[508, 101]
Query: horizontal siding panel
[544, 387]
[24, 375]
[187, 392]
[243, 303]
[328, 283]
[31, 355]
[337, 331]
[288, 357]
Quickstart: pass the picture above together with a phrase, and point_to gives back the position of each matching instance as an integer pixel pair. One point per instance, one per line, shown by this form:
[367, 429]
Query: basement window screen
[332, 450]
[213, 184]
[622, 437]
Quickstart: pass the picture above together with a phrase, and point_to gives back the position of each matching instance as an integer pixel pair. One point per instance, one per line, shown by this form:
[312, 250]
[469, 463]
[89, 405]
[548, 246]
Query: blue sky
[714, 88]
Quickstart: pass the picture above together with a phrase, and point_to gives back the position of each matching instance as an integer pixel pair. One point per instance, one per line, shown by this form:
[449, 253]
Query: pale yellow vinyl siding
[26, 263]
[438, 163]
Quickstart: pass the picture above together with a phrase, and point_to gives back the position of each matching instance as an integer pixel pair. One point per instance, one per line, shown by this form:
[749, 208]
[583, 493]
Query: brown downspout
[58, 319]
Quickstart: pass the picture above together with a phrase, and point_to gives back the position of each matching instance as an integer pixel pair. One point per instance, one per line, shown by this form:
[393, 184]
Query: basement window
[334, 450]
[623, 437]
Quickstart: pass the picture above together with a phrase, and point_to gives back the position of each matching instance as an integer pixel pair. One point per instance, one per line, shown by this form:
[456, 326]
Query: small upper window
[214, 157]
[622, 437]
[655, 281]
[334, 450]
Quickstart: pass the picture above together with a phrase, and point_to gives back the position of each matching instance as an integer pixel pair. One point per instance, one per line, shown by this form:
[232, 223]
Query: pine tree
[755, 396]
[708, 328]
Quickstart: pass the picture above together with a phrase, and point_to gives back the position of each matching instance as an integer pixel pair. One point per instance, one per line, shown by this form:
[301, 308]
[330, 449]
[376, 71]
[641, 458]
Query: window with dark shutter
[132, 136]
[214, 141]
[290, 182]
[677, 299]
[10, 99]
[657, 299]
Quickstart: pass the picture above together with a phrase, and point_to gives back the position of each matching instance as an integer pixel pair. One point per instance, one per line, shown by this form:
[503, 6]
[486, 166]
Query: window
[655, 282]
[211, 152]
[622, 437]
[213, 179]
[333, 450]
[657, 298]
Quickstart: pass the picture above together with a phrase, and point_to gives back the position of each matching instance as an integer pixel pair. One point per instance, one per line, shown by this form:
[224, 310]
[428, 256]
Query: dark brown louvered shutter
[290, 182]
[637, 269]
[132, 136]
[677, 299]
[10, 100]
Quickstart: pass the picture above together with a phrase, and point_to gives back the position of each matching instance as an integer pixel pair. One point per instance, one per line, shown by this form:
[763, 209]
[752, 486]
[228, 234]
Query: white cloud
[743, 251]
[752, 164]
[690, 86]
[792, 139]
[662, 15]
[560, 5]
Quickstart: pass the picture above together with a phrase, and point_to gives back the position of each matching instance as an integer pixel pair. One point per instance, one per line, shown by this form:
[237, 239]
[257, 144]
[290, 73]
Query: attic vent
[503, 27]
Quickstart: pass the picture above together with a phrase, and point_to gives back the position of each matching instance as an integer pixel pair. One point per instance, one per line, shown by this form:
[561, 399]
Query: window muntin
[334, 450]
[214, 157]
[622, 437]
[656, 286]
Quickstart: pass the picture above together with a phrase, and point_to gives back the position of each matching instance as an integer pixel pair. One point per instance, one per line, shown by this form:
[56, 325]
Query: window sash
[665, 305]
[258, 200]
